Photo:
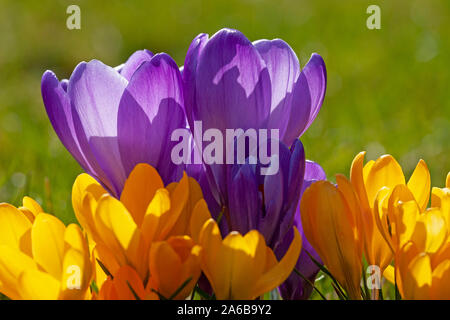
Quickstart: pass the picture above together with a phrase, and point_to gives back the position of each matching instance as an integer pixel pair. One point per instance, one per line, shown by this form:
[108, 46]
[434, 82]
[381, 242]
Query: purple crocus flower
[295, 288]
[111, 119]
[232, 83]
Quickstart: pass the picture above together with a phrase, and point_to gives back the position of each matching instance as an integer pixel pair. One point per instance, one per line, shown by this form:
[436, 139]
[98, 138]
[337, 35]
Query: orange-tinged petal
[357, 179]
[385, 172]
[165, 268]
[139, 190]
[441, 280]
[281, 271]
[38, 285]
[325, 216]
[125, 286]
[419, 184]
[182, 226]
[200, 215]
[47, 236]
[447, 181]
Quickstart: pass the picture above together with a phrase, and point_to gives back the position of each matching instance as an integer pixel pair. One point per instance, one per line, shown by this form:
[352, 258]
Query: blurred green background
[388, 89]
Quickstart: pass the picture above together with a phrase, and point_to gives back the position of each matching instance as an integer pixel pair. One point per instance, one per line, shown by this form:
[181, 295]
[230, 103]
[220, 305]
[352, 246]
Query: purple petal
[313, 171]
[150, 109]
[243, 199]
[189, 73]
[95, 91]
[134, 62]
[57, 105]
[284, 70]
[232, 84]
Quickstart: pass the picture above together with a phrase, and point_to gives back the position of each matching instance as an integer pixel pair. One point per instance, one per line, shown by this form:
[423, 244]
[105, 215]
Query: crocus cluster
[380, 216]
[152, 227]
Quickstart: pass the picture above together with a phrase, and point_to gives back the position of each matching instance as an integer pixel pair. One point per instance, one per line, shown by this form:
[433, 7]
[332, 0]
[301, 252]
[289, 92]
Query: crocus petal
[232, 84]
[150, 110]
[420, 183]
[95, 91]
[134, 62]
[308, 96]
[243, 199]
[189, 73]
[385, 172]
[12, 263]
[200, 215]
[38, 285]
[58, 107]
[275, 276]
[47, 236]
[139, 190]
[119, 231]
[284, 70]
[14, 227]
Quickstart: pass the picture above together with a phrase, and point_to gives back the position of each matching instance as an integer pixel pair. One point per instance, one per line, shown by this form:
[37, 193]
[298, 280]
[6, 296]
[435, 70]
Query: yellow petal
[447, 181]
[12, 263]
[430, 231]
[280, 272]
[86, 192]
[419, 184]
[215, 259]
[139, 190]
[418, 287]
[32, 205]
[120, 233]
[389, 274]
[385, 172]
[152, 225]
[47, 236]
[14, 227]
[247, 264]
[38, 285]
[178, 200]
[77, 267]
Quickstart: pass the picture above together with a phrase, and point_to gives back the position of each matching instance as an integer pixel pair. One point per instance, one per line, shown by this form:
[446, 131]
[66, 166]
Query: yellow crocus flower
[124, 229]
[40, 258]
[379, 185]
[243, 267]
[331, 222]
